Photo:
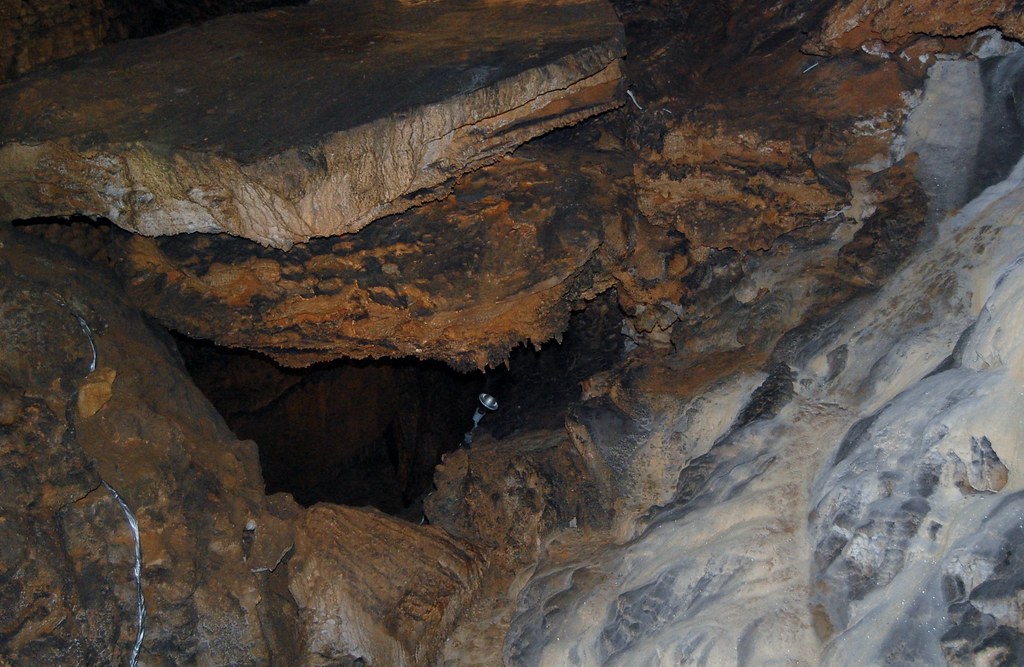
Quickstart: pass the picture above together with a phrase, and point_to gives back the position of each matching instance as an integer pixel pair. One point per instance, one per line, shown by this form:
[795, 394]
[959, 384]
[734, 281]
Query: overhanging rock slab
[300, 122]
[463, 280]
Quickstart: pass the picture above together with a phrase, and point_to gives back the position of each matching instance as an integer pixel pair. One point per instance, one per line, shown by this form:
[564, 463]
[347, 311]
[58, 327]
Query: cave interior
[465, 333]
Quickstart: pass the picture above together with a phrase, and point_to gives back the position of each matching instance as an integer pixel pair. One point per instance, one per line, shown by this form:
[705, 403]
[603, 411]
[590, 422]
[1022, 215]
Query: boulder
[375, 590]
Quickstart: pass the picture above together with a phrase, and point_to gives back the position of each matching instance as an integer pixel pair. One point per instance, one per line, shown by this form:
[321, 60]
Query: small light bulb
[488, 402]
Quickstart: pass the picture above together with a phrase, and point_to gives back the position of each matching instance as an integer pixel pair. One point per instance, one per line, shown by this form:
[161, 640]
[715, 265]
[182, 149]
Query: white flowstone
[874, 519]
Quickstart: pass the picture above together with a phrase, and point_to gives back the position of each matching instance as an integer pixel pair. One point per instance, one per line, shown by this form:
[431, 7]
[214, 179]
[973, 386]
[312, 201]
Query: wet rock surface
[908, 435]
[300, 122]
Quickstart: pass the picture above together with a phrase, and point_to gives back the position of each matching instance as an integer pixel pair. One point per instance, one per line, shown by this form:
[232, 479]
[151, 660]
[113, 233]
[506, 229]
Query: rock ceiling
[304, 125]
[500, 261]
[810, 453]
[300, 122]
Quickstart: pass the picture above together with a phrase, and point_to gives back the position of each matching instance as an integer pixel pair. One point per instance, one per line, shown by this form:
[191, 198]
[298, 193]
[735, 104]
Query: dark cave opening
[371, 432]
[348, 432]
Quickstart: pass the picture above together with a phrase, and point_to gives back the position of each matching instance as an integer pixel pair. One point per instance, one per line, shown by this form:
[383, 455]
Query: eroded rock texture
[501, 261]
[803, 480]
[94, 400]
[300, 122]
[748, 149]
[506, 495]
[93, 395]
[893, 24]
[365, 599]
[810, 214]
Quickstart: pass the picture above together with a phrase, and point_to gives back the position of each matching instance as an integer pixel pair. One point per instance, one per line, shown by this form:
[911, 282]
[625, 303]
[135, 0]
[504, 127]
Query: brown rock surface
[763, 293]
[507, 495]
[96, 390]
[853, 23]
[38, 31]
[743, 144]
[229, 576]
[138, 424]
[300, 122]
[731, 187]
[34, 32]
[501, 261]
[375, 590]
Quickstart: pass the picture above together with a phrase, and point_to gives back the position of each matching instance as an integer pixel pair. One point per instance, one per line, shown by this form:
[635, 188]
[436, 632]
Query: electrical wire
[133, 523]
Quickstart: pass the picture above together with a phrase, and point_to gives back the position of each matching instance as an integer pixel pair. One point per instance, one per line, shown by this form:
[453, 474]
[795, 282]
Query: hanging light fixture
[487, 404]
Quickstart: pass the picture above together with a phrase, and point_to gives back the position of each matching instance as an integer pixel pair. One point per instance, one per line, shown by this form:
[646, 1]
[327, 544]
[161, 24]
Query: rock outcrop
[101, 435]
[865, 453]
[501, 261]
[890, 25]
[94, 402]
[300, 122]
[350, 433]
[808, 452]
[805, 484]
[507, 495]
[373, 590]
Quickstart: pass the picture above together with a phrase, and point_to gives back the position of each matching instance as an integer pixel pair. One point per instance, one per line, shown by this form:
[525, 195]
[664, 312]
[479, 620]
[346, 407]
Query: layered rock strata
[501, 261]
[891, 25]
[507, 497]
[100, 427]
[300, 122]
[825, 468]
[373, 590]
[828, 503]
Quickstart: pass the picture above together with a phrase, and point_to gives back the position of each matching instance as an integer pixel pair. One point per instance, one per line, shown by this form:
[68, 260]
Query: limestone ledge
[885, 25]
[464, 280]
[349, 121]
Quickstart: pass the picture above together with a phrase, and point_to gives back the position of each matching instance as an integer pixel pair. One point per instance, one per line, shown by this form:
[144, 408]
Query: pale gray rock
[859, 502]
[945, 126]
[967, 128]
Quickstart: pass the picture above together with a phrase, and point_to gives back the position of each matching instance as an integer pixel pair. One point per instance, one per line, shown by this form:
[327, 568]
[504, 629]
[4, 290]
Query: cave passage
[348, 432]
[371, 432]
